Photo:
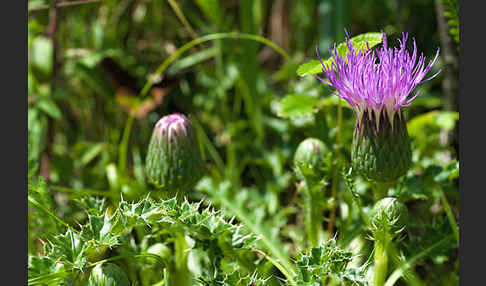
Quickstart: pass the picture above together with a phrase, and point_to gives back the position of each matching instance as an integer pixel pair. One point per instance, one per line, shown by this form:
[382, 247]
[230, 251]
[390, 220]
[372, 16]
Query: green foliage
[208, 230]
[451, 13]
[360, 42]
[296, 105]
[328, 260]
[108, 275]
[237, 69]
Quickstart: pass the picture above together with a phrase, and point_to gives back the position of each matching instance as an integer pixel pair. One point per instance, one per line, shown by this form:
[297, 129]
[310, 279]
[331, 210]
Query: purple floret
[172, 123]
[376, 81]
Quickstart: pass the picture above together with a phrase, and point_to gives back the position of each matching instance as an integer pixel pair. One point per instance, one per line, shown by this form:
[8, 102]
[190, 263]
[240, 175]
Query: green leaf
[447, 120]
[41, 54]
[37, 133]
[99, 231]
[39, 266]
[358, 42]
[296, 105]
[193, 59]
[91, 152]
[435, 119]
[328, 260]
[48, 105]
[68, 247]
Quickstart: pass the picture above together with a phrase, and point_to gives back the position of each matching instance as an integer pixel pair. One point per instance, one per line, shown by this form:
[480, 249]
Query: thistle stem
[450, 215]
[311, 216]
[335, 175]
[181, 273]
[380, 263]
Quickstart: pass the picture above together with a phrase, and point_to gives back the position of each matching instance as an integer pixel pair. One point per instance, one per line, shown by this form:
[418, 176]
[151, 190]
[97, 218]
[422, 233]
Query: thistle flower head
[375, 82]
[173, 160]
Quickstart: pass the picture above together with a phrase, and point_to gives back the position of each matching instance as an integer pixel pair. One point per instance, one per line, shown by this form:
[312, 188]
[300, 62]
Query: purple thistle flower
[376, 82]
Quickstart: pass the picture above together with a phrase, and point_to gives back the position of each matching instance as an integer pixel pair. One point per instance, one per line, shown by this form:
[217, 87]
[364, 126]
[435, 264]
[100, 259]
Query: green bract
[381, 147]
[108, 274]
[310, 157]
[389, 215]
[173, 161]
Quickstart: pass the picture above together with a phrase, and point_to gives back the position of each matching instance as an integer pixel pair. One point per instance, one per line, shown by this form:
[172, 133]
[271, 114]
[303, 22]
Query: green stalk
[410, 276]
[380, 263]
[181, 274]
[335, 175]
[279, 266]
[47, 211]
[263, 233]
[401, 270]
[450, 215]
[182, 18]
[311, 216]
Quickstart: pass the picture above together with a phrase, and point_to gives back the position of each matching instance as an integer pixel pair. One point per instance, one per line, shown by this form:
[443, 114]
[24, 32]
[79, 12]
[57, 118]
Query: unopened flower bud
[311, 156]
[389, 215]
[174, 161]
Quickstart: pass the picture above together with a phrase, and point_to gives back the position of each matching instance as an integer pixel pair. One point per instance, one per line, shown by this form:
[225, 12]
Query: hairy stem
[380, 263]
[450, 215]
[311, 216]
[181, 274]
[335, 174]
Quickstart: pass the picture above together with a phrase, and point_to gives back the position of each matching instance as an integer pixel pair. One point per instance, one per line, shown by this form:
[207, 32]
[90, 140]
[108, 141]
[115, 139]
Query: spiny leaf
[99, 232]
[69, 248]
[328, 260]
[233, 279]
[39, 266]
[93, 205]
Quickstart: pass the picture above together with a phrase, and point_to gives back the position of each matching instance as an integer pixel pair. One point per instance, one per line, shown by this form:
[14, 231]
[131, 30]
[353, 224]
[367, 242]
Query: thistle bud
[310, 158]
[174, 161]
[389, 215]
[381, 149]
[108, 274]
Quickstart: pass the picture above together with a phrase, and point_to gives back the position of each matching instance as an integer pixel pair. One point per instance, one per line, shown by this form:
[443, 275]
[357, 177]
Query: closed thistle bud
[174, 161]
[108, 274]
[381, 149]
[310, 158]
[389, 216]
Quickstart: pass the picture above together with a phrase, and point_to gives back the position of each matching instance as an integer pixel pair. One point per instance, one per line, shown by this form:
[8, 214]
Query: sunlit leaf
[358, 42]
[296, 105]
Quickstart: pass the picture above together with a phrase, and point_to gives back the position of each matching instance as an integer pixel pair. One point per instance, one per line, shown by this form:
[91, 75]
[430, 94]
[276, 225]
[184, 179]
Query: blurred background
[88, 60]
[91, 111]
